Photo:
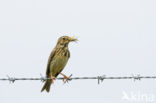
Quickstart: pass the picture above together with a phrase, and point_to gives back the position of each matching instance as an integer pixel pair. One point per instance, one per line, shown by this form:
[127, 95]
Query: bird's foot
[52, 78]
[65, 78]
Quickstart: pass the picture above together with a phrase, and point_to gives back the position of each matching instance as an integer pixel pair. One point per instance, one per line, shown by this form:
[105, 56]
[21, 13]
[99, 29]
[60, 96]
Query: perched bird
[57, 61]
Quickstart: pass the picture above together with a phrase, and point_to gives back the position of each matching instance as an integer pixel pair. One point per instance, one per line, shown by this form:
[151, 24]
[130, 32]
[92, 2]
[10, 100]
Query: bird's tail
[47, 85]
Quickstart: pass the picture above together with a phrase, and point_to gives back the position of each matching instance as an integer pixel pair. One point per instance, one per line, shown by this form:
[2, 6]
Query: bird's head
[65, 40]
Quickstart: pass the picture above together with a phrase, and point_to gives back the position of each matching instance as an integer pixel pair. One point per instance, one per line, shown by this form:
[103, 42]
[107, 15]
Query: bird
[57, 61]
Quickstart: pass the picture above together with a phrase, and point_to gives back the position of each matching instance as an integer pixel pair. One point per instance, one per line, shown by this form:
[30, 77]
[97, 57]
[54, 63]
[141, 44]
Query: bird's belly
[57, 65]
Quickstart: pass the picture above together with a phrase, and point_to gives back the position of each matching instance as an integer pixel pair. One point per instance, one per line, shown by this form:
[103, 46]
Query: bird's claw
[65, 79]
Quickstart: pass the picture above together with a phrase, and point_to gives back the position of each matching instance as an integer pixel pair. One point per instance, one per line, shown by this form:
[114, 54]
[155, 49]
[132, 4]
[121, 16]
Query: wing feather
[49, 61]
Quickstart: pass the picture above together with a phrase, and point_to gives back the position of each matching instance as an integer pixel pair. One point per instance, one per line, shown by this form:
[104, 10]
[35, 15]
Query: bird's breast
[62, 61]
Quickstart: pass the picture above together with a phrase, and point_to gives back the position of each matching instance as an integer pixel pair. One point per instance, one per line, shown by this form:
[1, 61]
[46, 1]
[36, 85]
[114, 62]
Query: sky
[116, 38]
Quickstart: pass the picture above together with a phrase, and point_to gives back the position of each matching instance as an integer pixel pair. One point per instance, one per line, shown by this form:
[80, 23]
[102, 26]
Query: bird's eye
[64, 38]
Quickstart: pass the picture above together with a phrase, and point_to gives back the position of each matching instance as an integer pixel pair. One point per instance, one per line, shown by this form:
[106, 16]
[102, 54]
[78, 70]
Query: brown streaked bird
[57, 61]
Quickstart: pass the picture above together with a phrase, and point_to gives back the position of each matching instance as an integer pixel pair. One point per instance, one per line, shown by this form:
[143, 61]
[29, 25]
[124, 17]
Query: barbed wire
[99, 78]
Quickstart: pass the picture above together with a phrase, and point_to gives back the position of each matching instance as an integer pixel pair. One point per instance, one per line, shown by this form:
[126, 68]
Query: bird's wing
[49, 61]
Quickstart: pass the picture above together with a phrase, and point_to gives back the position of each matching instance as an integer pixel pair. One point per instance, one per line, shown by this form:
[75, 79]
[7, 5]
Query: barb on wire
[43, 79]
[99, 78]
[11, 79]
[137, 77]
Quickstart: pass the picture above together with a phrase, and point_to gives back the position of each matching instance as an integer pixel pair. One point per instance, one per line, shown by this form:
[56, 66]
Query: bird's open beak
[73, 39]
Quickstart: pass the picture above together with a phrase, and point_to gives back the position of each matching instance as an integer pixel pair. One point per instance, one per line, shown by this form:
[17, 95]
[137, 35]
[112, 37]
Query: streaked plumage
[57, 60]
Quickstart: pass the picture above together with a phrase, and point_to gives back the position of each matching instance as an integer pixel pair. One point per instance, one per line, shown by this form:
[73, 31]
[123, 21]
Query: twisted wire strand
[99, 78]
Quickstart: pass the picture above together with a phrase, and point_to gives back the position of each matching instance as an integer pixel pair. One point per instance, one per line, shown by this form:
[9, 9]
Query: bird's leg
[65, 78]
[52, 78]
